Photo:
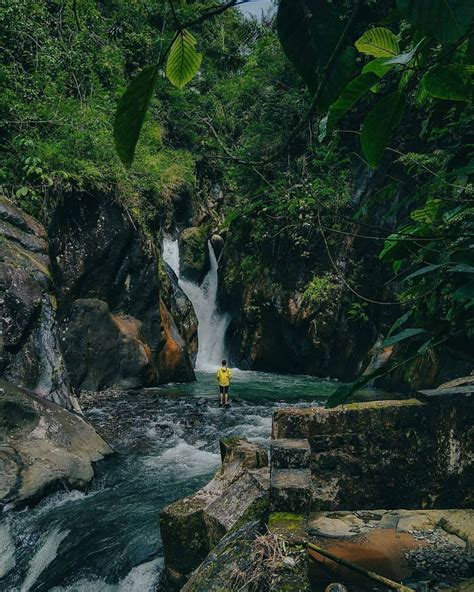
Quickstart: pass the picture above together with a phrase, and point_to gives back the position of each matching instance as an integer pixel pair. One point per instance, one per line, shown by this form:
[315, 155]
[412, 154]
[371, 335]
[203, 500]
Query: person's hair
[224, 362]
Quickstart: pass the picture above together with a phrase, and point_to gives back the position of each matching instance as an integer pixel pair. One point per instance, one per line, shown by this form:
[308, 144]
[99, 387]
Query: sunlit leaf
[379, 43]
[345, 391]
[445, 20]
[183, 60]
[379, 66]
[131, 113]
[379, 126]
[453, 82]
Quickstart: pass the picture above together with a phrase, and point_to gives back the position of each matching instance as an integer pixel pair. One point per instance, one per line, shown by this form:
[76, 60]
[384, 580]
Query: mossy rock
[194, 263]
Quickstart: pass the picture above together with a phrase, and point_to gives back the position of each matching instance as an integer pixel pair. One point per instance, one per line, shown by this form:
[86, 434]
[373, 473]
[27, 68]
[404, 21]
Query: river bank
[166, 446]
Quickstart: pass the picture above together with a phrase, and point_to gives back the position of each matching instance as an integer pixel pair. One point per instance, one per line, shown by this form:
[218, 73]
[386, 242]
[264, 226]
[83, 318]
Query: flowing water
[166, 443]
[212, 324]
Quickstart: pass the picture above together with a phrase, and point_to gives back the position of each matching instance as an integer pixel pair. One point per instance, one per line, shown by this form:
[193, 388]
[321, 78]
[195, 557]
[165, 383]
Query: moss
[286, 521]
[377, 404]
[194, 252]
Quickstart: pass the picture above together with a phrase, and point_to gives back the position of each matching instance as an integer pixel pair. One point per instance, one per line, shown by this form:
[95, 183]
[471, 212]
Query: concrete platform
[291, 490]
[287, 453]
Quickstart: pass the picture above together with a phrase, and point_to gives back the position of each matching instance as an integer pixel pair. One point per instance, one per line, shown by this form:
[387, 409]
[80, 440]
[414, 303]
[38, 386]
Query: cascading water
[212, 324]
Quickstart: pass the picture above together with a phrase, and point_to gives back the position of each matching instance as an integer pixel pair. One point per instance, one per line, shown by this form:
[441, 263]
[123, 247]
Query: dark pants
[224, 390]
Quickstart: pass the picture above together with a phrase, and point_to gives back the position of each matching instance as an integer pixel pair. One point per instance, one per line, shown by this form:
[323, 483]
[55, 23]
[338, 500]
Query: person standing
[224, 376]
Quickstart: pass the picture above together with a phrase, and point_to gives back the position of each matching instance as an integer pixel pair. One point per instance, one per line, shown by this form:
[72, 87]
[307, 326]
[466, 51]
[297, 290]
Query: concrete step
[291, 491]
[290, 453]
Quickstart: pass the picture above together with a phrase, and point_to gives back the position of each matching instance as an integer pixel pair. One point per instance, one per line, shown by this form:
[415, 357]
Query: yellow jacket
[224, 376]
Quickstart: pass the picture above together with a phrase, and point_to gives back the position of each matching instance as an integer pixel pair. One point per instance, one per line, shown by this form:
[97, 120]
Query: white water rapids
[212, 324]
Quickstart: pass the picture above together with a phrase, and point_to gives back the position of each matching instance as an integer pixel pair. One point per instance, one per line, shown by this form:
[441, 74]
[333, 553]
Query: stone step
[288, 453]
[291, 491]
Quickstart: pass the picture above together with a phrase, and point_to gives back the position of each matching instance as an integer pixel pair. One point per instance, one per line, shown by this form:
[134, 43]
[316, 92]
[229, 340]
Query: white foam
[43, 557]
[184, 458]
[7, 551]
[142, 578]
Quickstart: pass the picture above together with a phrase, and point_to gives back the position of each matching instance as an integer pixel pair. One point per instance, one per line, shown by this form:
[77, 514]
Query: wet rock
[42, 446]
[192, 526]
[174, 362]
[29, 349]
[194, 260]
[105, 350]
[182, 312]
[99, 254]
[217, 243]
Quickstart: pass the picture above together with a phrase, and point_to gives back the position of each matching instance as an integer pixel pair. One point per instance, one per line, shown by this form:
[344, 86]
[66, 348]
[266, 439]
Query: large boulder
[103, 350]
[42, 446]
[29, 348]
[174, 363]
[191, 527]
[194, 250]
[98, 254]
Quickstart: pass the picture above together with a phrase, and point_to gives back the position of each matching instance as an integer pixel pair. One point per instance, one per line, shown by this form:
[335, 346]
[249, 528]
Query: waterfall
[212, 325]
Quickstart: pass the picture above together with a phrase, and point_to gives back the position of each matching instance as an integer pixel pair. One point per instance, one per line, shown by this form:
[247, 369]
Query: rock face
[191, 527]
[29, 349]
[194, 263]
[174, 359]
[109, 299]
[387, 454]
[42, 446]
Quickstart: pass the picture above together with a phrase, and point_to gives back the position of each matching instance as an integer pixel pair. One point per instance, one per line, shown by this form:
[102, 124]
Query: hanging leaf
[379, 43]
[405, 58]
[349, 96]
[445, 20]
[462, 268]
[183, 60]
[131, 112]
[379, 66]
[399, 322]
[379, 126]
[453, 82]
[423, 271]
[345, 391]
[309, 31]
[402, 336]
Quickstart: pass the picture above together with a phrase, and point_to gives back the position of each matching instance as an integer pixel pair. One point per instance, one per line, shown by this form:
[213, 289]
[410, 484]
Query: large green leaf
[379, 66]
[423, 271]
[345, 391]
[131, 113]
[379, 125]
[309, 30]
[379, 43]
[445, 20]
[402, 336]
[453, 82]
[183, 60]
[349, 96]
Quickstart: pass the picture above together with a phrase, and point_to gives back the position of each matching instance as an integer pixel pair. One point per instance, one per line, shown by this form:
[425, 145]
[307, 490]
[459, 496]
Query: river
[166, 443]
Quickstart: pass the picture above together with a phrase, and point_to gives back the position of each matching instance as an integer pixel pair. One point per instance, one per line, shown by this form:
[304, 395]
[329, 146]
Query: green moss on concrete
[286, 521]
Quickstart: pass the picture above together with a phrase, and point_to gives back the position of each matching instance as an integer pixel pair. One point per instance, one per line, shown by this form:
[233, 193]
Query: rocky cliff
[29, 346]
[83, 305]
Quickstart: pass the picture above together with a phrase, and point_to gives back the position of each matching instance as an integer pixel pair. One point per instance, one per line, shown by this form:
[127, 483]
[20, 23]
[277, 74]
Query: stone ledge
[287, 453]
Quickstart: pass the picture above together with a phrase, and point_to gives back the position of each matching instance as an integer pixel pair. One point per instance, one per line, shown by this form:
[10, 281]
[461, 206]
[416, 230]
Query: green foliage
[379, 126]
[183, 60]
[321, 290]
[131, 113]
[453, 82]
[445, 20]
[349, 96]
[309, 33]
